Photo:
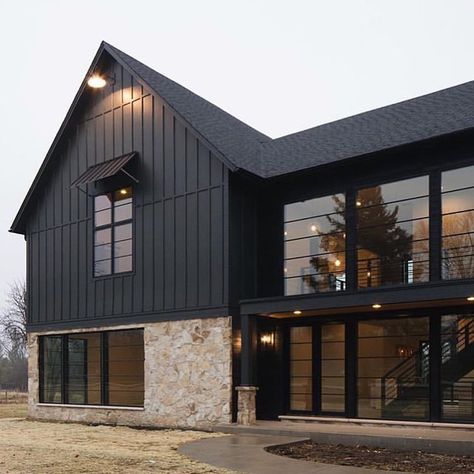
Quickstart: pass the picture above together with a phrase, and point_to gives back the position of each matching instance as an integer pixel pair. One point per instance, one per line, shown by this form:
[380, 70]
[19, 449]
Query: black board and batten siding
[180, 218]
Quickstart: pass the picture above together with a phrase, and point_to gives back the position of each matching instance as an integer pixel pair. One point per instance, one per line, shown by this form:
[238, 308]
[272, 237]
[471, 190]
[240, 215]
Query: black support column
[248, 350]
[247, 391]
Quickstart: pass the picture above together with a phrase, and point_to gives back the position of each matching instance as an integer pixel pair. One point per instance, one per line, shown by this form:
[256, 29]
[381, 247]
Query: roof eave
[144, 83]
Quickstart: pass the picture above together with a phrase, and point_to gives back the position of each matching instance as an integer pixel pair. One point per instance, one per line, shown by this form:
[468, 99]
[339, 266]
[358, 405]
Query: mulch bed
[376, 458]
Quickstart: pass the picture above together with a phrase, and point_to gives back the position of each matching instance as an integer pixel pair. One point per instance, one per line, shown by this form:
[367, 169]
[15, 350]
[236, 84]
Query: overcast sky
[281, 66]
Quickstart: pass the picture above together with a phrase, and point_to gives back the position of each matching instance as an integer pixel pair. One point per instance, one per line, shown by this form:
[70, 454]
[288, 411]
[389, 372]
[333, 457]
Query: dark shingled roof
[243, 147]
[236, 140]
[424, 117]
[428, 116]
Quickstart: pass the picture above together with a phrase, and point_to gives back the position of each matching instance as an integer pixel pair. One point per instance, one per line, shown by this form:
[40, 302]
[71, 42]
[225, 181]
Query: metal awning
[104, 170]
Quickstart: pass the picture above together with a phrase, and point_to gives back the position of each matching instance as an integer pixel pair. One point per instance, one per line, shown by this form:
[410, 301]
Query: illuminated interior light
[297, 312]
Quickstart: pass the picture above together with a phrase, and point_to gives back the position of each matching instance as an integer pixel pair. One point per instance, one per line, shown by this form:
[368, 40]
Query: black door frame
[351, 323]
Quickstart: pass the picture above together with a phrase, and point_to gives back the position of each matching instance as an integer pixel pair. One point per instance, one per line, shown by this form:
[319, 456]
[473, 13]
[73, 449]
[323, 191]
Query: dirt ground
[377, 458]
[56, 448]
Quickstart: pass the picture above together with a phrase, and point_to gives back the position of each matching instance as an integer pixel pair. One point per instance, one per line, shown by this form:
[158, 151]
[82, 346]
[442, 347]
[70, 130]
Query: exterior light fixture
[296, 312]
[267, 339]
[376, 306]
[123, 191]
[96, 82]
[470, 298]
[337, 262]
[358, 203]
[314, 228]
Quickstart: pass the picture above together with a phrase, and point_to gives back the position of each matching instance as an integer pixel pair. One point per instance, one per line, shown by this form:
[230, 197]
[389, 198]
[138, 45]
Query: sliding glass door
[317, 369]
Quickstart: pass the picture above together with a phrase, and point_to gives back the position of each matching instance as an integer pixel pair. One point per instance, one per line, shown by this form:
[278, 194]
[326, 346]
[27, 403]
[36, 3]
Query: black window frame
[112, 226]
[435, 218]
[104, 364]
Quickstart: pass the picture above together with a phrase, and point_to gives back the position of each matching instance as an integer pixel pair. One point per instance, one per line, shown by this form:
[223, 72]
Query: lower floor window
[380, 368]
[100, 368]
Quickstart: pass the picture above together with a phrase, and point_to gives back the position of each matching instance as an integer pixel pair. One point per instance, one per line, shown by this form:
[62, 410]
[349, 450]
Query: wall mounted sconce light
[267, 339]
[97, 81]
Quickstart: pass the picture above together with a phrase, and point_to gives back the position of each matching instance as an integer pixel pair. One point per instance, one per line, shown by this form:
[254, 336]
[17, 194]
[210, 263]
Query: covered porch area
[387, 355]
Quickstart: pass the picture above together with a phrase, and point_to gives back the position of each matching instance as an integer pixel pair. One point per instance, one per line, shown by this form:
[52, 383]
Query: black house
[176, 257]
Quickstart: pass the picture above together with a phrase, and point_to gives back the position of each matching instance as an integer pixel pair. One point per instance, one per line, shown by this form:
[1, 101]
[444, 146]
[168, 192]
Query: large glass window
[84, 369]
[333, 362]
[393, 368]
[52, 376]
[315, 245]
[458, 223]
[126, 368]
[392, 233]
[301, 368]
[457, 367]
[104, 368]
[113, 232]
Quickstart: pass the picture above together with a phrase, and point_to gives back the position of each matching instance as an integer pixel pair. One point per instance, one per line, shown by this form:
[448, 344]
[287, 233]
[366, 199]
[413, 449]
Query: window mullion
[435, 225]
[65, 369]
[104, 359]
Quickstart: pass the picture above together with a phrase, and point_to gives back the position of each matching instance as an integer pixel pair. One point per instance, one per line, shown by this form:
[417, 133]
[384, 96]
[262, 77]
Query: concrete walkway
[434, 440]
[246, 454]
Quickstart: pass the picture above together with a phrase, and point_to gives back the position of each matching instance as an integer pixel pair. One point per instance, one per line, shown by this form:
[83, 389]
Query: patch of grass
[58, 448]
[13, 410]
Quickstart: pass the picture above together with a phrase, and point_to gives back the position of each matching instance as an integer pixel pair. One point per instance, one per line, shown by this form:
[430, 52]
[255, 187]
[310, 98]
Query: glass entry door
[317, 368]
[333, 368]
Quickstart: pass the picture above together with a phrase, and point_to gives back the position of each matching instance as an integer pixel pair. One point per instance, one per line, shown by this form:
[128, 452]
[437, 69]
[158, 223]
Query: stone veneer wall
[188, 377]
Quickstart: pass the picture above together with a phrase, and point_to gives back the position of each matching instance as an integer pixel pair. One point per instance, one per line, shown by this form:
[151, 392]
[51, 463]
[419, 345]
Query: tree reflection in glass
[392, 237]
[315, 245]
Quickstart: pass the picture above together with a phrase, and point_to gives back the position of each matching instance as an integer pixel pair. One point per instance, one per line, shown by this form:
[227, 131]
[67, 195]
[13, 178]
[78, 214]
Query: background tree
[13, 360]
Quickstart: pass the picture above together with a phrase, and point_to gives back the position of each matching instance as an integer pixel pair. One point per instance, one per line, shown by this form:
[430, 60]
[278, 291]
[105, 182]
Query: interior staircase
[405, 388]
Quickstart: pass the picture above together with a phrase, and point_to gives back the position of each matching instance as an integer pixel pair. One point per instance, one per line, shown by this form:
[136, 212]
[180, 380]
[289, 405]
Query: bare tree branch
[13, 320]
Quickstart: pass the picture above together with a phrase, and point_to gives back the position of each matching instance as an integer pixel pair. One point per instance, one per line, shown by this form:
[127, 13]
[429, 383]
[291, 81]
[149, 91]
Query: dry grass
[13, 410]
[13, 397]
[56, 448]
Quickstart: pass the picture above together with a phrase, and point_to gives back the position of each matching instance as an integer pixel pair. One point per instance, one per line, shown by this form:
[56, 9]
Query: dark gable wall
[180, 218]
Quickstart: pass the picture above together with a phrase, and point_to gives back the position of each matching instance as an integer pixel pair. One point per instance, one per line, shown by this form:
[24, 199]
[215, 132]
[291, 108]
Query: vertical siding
[180, 215]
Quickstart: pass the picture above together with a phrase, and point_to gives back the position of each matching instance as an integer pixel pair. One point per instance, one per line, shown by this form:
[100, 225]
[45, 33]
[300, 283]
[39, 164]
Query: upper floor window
[113, 214]
[393, 233]
[458, 223]
[315, 233]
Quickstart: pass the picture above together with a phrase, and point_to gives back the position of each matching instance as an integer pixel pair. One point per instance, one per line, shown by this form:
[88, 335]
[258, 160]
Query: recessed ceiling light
[96, 82]
[376, 306]
[123, 191]
[470, 298]
[297, 312]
